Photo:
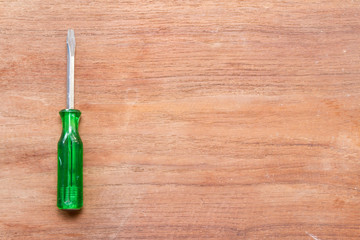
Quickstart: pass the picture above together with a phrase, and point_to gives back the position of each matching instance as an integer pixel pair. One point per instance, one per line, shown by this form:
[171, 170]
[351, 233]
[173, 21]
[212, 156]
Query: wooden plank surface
[200, 119]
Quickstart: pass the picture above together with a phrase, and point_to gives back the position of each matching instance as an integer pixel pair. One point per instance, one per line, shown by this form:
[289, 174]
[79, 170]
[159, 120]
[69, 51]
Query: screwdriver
[70, 147]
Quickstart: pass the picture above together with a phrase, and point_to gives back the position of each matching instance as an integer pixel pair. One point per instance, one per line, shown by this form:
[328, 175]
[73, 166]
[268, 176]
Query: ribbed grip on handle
[70, 162]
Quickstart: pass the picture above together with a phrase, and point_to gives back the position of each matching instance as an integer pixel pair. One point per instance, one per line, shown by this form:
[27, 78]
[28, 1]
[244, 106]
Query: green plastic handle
[70, 162]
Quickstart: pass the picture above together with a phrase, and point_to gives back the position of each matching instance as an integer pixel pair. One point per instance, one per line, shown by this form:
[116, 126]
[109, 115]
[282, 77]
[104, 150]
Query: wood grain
[200, 119]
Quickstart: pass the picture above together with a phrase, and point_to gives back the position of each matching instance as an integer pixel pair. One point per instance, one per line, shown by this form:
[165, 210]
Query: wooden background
[200, 119]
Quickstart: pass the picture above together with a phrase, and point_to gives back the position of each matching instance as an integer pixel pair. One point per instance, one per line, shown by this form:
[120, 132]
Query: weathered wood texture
[201, 119]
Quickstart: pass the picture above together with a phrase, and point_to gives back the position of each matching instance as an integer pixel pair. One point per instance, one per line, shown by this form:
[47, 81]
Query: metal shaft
[70, 42]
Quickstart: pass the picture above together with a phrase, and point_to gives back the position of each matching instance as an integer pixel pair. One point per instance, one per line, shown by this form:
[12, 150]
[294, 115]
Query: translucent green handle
[70, 162]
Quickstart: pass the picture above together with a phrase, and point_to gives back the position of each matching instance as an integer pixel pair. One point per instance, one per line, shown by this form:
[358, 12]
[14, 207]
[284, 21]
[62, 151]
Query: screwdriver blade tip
[70, 41]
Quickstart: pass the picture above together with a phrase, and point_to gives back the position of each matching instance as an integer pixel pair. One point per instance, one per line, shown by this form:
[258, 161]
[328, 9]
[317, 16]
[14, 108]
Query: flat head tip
[70, 41]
